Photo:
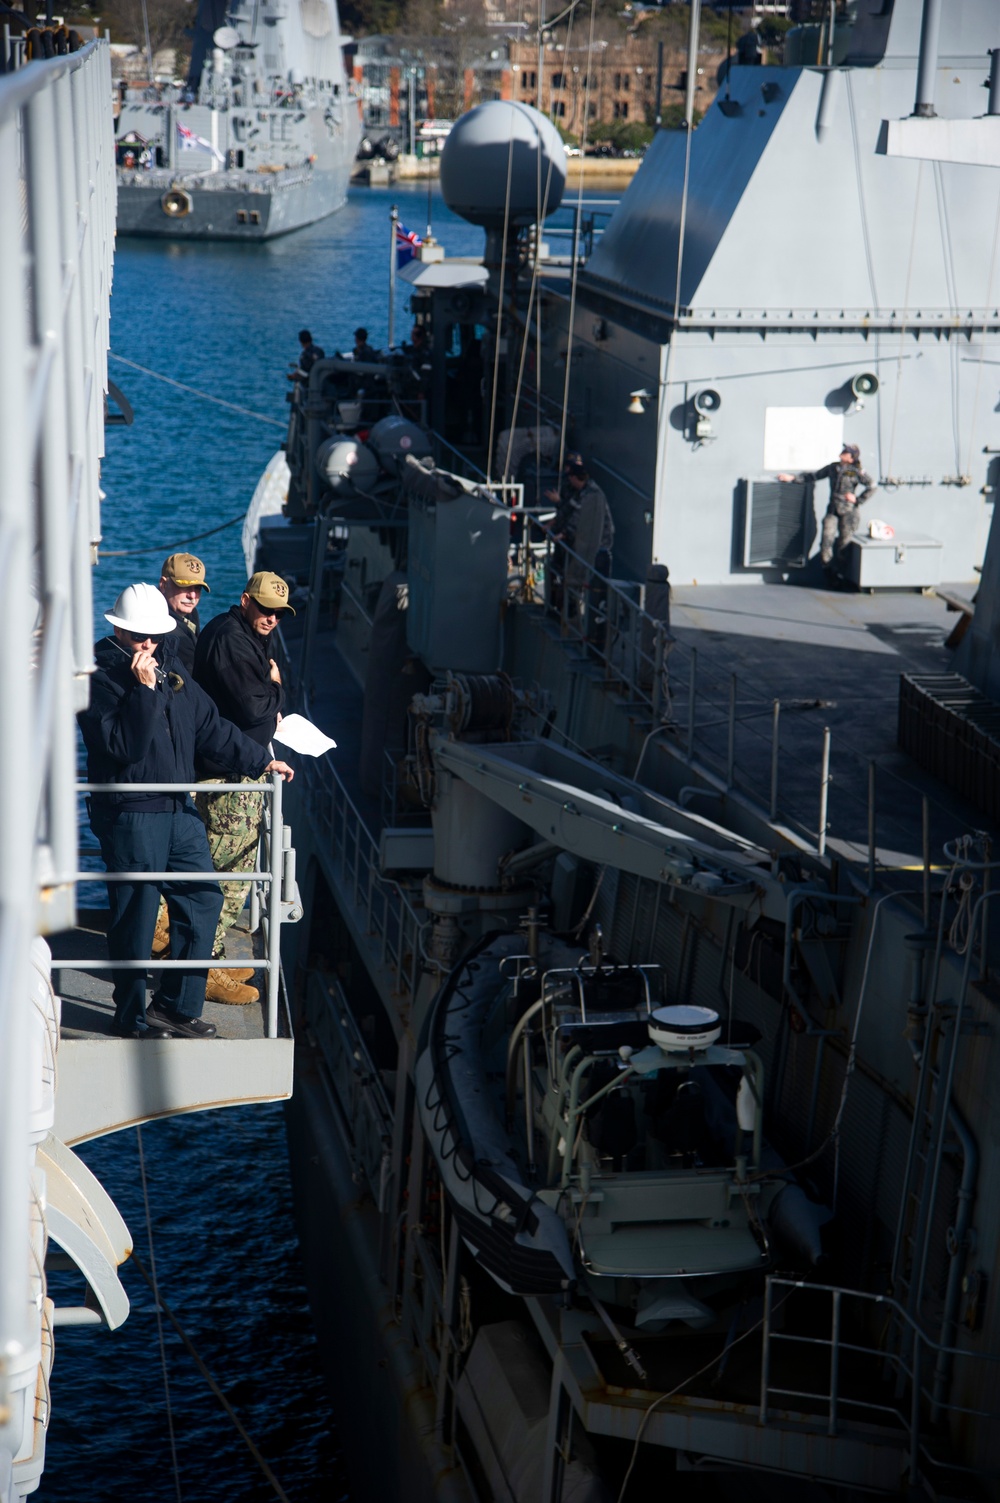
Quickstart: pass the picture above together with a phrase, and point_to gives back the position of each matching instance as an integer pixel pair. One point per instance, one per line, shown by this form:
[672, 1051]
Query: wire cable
[159, 1307]
[195, 392]
[169, 547]
[213, 1385]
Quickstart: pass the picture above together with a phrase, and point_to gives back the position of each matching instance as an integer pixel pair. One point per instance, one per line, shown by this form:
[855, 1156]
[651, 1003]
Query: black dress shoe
[139, 1032]
[178, 1024]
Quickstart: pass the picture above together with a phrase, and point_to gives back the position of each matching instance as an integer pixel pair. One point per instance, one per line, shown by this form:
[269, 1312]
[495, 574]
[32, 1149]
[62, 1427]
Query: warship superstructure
[259, 141]
[630, 915]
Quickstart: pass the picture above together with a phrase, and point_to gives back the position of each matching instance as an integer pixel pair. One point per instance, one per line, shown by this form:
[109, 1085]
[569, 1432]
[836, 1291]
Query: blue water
[222, 319]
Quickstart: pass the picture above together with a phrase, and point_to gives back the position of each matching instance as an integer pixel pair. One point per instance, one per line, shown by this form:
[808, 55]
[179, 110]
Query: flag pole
[393, 221]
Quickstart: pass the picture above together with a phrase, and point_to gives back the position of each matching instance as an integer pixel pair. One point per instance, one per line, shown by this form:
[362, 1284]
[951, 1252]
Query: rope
[195, 392]
[254, 1452]
[169, 547]
[663, 1398]
[157, 1303]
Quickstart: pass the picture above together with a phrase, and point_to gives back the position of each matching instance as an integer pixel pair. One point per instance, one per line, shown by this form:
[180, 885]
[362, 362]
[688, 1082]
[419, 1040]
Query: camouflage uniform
[841, 520]
[232, 823]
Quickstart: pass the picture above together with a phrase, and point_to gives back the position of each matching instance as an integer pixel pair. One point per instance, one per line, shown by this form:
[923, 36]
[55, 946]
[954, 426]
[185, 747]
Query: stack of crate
[953, 730]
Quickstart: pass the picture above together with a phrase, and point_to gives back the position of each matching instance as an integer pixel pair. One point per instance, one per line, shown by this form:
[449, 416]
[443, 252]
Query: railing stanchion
[775, 730]
[765, 1353]
[254, 889]
[274, 909]
[658, 657]
[692, 691]
[824, 792]
[834, 1363]
[731, 746]
[871, 824]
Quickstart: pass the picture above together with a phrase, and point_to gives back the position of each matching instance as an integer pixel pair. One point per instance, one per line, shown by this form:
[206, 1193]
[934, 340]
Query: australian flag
[408, 242]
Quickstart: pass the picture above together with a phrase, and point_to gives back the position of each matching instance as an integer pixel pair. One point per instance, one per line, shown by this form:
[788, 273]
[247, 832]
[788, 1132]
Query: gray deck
[87, 1009]
[833, 658]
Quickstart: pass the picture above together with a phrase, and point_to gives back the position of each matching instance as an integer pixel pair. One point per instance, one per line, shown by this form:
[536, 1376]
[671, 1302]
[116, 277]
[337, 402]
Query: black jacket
[185, 638]
[233, 666]
[139, 735]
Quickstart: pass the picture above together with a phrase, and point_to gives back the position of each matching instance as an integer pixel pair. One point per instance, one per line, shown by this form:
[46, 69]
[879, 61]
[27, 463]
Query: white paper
[301, 735]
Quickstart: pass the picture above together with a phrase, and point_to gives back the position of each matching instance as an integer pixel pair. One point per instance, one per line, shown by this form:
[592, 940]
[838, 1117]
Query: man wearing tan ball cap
[233, 664]
[182, 580]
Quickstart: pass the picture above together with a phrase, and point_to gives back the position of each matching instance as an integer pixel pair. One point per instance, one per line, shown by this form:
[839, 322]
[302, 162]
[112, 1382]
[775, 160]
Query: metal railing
[56, 241]
[389, 925]
[725, 727]
[277, 876]
[867, 1380]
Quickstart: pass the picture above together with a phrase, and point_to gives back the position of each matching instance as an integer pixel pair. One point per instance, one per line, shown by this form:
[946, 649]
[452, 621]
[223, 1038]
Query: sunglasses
[146, 636]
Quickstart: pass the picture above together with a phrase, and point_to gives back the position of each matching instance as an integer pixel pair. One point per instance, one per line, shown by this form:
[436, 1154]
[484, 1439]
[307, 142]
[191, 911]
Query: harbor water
[217, 321]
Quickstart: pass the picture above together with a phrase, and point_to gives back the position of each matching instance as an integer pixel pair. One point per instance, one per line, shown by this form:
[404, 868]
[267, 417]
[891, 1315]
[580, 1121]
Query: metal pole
[831, 1428]
[775, 729]
[658, 655]
[659, 85]
[925, 819]
[927, 67]
[274, 909]
[829, 38]
[824, 790]
[765, 1354]
[692, 73]
[993, 108]
[393, 221]
[692, 690]
[731, 752]
[871, 823]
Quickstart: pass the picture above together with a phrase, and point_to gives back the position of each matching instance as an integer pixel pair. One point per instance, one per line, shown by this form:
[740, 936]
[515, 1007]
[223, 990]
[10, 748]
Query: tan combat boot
[222, 988]
[161, 938]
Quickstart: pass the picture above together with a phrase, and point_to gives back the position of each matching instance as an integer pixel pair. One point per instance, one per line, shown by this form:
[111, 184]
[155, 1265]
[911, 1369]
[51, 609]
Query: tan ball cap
[184, 569]
[269, 591]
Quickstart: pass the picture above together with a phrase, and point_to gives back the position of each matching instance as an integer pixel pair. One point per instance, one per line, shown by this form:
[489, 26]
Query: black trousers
[158, 842]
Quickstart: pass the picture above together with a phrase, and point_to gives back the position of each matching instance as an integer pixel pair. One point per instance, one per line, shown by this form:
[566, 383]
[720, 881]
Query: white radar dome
[497, 144]
[346, 466]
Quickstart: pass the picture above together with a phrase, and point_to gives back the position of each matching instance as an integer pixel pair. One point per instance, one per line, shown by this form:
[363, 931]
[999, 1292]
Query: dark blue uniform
[134, 734]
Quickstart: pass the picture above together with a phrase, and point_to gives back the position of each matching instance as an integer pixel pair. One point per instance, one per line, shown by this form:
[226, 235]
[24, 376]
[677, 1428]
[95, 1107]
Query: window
[558, 81]
[528, 80]
[559, 108]
[592, 111]
[622, 82]
[621, 109]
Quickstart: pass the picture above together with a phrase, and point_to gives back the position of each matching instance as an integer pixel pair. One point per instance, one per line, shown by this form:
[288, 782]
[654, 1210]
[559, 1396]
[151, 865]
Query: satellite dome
[499, 143]
[346, 466]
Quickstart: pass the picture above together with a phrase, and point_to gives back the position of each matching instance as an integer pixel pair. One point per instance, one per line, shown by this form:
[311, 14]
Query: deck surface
[87, 1008]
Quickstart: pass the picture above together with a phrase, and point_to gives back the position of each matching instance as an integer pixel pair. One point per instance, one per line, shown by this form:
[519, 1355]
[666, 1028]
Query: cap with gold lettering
[185, 570]
[269, 591]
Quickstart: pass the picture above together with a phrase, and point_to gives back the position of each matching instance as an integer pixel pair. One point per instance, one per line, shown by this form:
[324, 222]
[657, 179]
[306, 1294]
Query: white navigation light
[682, 1027]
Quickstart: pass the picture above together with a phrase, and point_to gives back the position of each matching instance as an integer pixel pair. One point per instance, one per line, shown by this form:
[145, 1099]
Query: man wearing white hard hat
[148, 723]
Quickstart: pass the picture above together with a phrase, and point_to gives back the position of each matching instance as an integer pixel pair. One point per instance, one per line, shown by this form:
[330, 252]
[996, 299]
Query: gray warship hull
[826, 729]
[230, 206]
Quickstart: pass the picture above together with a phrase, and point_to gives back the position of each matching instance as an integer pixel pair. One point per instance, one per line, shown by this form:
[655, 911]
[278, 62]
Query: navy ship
[259, 141]
[643, 1125]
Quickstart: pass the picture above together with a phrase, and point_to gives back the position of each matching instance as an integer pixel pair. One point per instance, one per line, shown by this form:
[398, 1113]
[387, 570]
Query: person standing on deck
[362, 349]
[308, 355]
[148, 723]
[234, 667]
[182, 580]
[583, 523]
[850, 488]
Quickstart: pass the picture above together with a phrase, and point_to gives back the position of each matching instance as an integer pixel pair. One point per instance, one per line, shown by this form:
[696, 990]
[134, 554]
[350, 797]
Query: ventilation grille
[779, 523]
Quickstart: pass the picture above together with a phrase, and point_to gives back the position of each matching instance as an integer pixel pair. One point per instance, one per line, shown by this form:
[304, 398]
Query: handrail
[836, 1396]
[279, 910]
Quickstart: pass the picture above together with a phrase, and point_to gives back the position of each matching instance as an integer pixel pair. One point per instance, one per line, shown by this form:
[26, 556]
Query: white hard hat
[141, 609]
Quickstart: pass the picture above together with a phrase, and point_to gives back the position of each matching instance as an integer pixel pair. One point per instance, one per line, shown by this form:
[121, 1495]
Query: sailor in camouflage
[850, 487]
[234, 667]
